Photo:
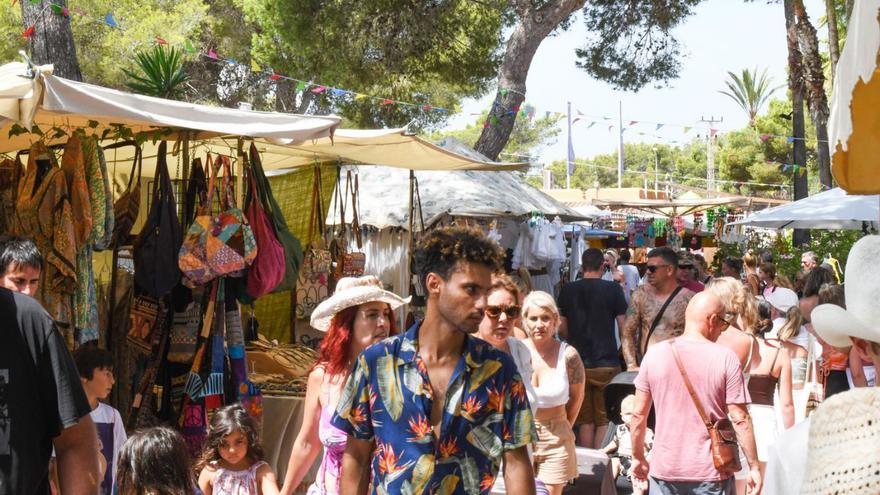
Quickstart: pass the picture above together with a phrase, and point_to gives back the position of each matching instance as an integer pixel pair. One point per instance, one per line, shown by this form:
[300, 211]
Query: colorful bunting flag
[633, 122]
[790, 139]
[161, 41]
[503, 92]
[386, 102]
[359, 97]
[212, 54]
[426, 107]
[188, 47]
[687, 129]
[275, 77]
[319, 89]
[712, 132]
[591, 124]
[301, 86]
[29, 32]
[110, 21]
[658, 127]
[765, 137]
[339, 92]
[255, 67]
[59, 10]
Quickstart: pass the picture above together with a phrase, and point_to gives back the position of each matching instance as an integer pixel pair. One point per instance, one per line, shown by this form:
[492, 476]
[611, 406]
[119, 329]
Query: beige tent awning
[672, 207]
[284, 140]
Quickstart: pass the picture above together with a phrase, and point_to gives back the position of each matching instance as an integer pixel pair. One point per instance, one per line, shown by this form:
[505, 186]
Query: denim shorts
[724, 487]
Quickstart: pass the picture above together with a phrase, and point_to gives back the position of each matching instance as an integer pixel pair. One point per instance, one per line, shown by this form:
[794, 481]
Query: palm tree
[749, 91]
[161, 73]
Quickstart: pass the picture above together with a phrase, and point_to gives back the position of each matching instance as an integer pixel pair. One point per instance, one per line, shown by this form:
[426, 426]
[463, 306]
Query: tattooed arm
[576, 378]
[629, 335]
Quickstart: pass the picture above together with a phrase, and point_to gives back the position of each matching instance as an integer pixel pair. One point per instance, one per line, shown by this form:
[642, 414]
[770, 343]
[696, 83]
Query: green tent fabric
[293, 191]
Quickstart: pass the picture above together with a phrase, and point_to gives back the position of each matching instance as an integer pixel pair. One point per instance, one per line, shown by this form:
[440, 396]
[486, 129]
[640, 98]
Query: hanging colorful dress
[43, 213]
[11, 172]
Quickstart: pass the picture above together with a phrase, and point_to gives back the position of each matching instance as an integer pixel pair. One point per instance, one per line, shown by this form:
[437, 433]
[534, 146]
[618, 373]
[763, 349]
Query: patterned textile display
[43, 213]
[144, 319]
[11, 173]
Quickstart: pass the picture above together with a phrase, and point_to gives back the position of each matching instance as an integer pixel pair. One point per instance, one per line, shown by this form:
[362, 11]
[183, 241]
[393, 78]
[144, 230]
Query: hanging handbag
[245, 391]
[127, 207]
[351, 264]
[193, 420]
[184, 333]
[219, 245]
[156, 248]
[268, 268]
[815, 380]
[293, 252]
[313, 285]
[143, 322]
[722, 436]
[148, 397]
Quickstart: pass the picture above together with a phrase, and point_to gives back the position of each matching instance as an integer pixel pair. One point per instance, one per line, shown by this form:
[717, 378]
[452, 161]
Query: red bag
[268, 268]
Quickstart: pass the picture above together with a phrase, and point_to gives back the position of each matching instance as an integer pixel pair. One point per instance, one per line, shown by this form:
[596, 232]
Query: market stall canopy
[384, 197]
[51, 101]
[855, 122]
[284, 140]
[672, 207]
[832, 209]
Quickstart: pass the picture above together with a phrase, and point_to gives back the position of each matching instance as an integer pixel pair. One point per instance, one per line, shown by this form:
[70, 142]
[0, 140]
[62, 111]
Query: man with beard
[656, 312]
[441, 407]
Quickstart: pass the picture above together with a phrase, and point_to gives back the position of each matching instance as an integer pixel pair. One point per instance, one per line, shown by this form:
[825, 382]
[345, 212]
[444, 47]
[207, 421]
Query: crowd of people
[496, 387]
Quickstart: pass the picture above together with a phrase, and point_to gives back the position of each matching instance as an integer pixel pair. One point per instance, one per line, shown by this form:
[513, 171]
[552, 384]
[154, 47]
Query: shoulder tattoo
[574, 366]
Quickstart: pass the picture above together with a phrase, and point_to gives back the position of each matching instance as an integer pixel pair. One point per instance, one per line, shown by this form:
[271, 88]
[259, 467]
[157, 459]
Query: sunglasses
[727, 319]
[684, 267]
[653, 268]
[495, 311]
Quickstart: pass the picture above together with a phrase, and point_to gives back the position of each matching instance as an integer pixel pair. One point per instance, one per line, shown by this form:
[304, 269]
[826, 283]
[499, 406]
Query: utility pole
[710, 153]
[656, 170]
[620, 144]
[570, 165]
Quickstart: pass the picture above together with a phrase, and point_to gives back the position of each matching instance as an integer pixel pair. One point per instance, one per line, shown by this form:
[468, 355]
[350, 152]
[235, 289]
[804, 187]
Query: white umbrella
[833, 209]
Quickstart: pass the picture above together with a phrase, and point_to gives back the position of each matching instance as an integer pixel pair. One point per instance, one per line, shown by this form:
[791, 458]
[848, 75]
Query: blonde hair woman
[558, 380]
[767, 371]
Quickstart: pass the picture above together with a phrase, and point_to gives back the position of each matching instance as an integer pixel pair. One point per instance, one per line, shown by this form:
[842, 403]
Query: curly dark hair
[154, 461]
[225, 421]
[440, 250]
[816, 278]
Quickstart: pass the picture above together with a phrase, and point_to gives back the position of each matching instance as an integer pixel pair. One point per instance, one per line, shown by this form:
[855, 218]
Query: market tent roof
[854, 123]
[832, 209]
[672, 207]
[384, 197]
[284, 140]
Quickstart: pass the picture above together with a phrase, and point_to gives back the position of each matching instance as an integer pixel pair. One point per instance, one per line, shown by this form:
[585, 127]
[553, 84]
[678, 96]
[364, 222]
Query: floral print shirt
[389, 397]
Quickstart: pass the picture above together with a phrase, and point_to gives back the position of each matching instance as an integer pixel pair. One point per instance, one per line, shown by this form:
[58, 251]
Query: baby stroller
[619, 387]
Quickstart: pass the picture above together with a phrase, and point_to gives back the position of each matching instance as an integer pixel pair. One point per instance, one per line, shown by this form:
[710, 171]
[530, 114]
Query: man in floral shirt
[435, 409]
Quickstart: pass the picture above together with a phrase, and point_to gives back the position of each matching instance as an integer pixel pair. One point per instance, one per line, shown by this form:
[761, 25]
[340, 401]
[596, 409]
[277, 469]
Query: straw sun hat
[353, 291]
[861, 318]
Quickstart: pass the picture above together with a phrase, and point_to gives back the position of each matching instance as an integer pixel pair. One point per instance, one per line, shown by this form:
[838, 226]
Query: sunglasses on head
[495, 311]
[653, 268]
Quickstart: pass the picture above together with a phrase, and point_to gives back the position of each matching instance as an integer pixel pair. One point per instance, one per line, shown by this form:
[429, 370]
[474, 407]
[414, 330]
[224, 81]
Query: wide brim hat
[861, 318]
[844, 445]
[353, 291]
[686, 259]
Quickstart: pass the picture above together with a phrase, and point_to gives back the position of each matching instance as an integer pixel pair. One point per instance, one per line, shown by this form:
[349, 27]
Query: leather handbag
[268, 268]
[351, 264]
[722, 436]
[221, 245]
[815, 380]
[127, 207]
[313, 285]
[157, 245]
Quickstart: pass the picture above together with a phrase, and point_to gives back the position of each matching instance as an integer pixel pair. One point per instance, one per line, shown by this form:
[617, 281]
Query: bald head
[705, 315]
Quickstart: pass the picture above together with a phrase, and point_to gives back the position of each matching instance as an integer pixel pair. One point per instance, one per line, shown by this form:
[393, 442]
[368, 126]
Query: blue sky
[722, 35]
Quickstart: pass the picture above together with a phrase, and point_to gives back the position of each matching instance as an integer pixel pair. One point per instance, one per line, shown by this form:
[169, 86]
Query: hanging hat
[861, 318]
[782, 299]
[353, 291]
[844, 445]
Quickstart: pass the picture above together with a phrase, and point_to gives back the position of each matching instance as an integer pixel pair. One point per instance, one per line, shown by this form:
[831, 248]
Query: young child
[620, 447]
[232, 461]
[155, 461]
[95, 368]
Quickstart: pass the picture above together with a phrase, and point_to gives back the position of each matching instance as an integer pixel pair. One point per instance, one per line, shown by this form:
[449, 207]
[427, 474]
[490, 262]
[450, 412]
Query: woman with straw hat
[358, 315]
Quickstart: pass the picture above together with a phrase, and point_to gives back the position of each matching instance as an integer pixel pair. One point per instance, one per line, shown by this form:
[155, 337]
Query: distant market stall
[832, 209]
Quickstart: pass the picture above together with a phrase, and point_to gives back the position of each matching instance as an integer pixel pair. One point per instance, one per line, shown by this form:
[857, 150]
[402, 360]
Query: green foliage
[103, 52]
[161, 73]
[750, 91]
[526, 140]
[631, 43]
[417, 52]
[787, 257]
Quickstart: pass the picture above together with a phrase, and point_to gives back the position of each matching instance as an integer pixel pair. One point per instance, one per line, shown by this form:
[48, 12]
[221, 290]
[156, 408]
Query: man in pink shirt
[681, 461]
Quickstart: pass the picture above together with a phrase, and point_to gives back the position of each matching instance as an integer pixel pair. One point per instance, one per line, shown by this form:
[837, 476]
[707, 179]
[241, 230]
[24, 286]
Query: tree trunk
[285, 96]
[534, 25]
[833, 36]
[52, 39]
[796, 88]
[849, 6]
[814, 78]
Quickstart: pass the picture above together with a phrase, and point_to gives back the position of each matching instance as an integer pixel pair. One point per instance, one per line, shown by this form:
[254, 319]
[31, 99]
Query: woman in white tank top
[558, 383]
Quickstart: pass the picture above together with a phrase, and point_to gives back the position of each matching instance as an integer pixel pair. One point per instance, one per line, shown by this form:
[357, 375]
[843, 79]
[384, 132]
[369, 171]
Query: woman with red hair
[359, 314]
